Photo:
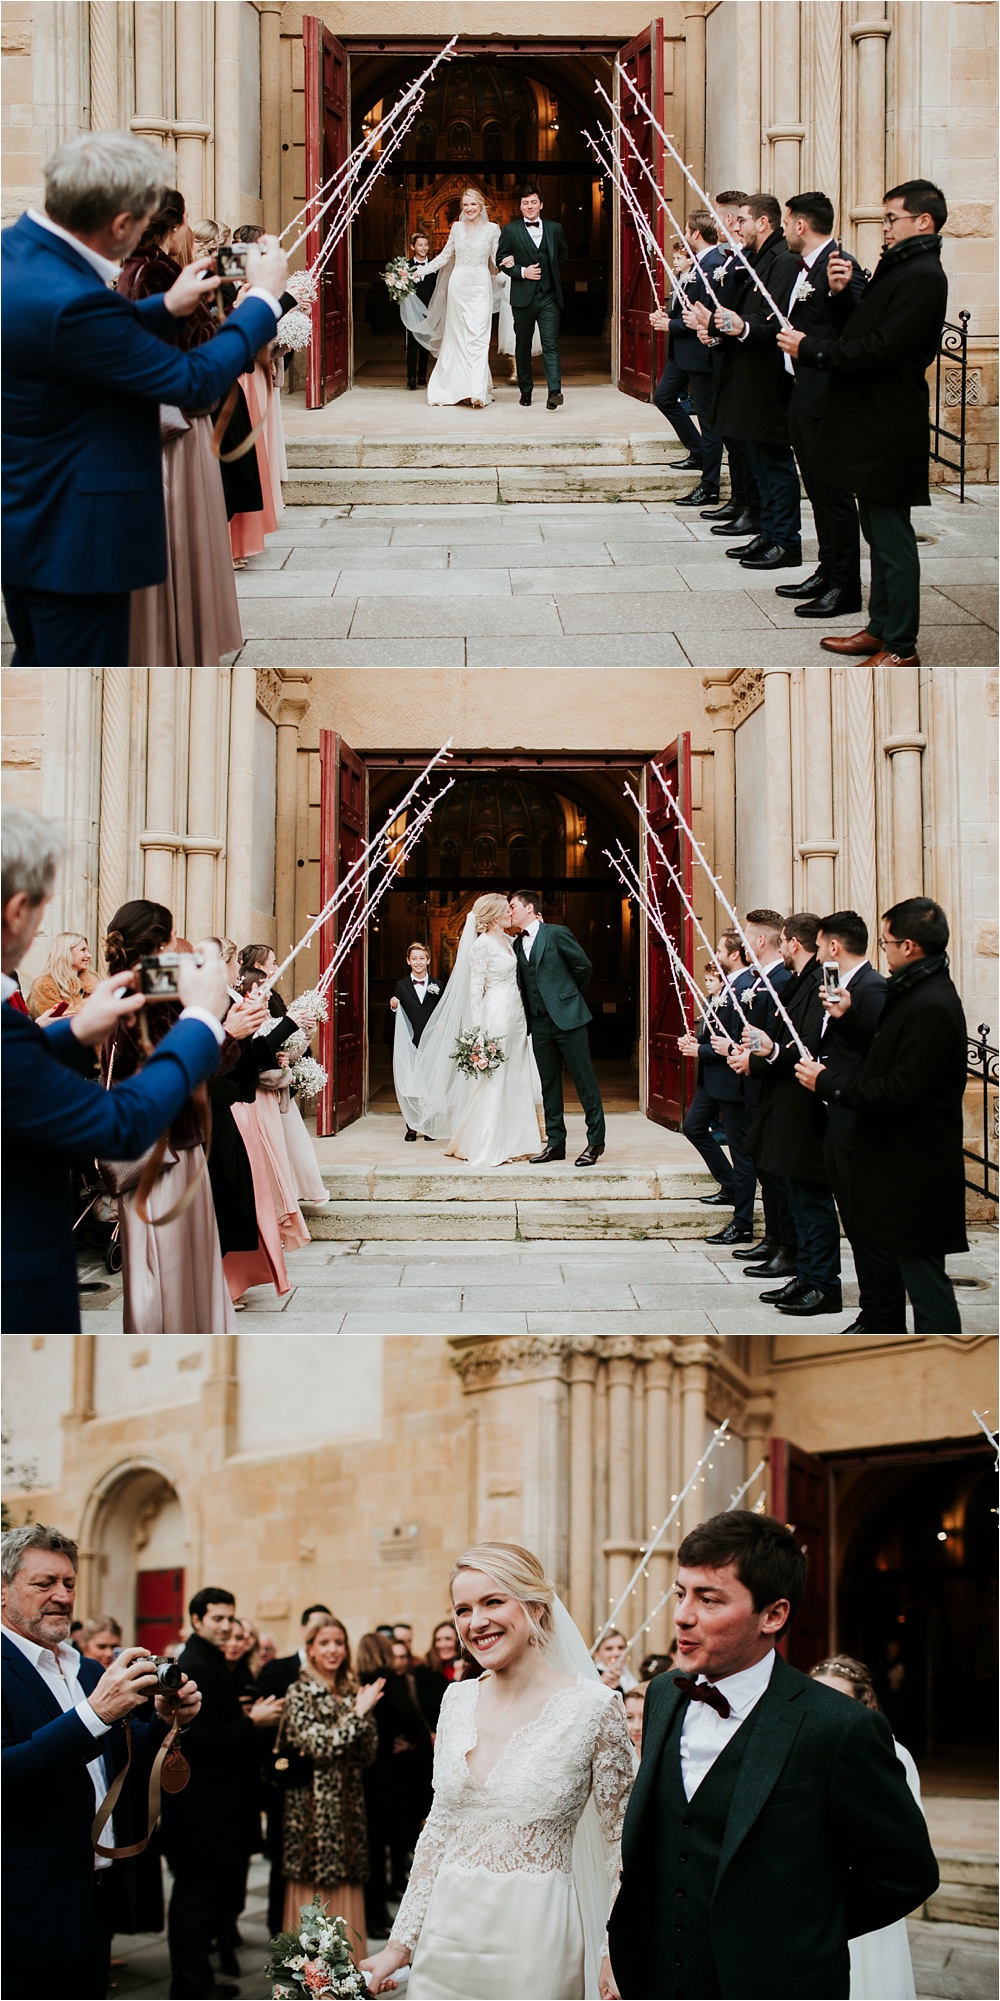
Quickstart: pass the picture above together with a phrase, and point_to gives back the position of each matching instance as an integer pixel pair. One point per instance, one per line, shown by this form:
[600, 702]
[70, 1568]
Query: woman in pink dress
[262, 1123]
[247, 531]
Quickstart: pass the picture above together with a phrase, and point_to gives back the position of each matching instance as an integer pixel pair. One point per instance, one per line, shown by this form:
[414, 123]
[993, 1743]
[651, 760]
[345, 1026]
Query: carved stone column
[819, 850]
[694, 1360]
[905, 747]
[105, 110]
[869, 36]
[227, 114]
[581, 1370]
[116, 714]
[823, 20]
[778, 741]
[717, 701]
[191, 131]
[165, 738]
[152, 118]
[270, 111]
[239, 830]
[659, 1383]
[288, 714]
[620, 1548]
[859, 754]
[785, 132]
[204, 841]
[694, 94]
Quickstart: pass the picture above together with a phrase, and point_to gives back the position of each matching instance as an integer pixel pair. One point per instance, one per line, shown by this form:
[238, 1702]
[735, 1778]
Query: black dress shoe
[695, 498]
[811, 1301]
[525, 399]
[589, 1157]
[813, 587]
[690, 464]
[553, 400]
[547, 1153]
[744, 524]
[732, 1234]
[761, 1253]
[779, 1266]
[834, 603]
[411, 385]
[409, 1134]
[858, 1326]
[429, 1140]
[727, 512]
[752, 548]
[775, 556]
[720, 1200]
[785, 1293]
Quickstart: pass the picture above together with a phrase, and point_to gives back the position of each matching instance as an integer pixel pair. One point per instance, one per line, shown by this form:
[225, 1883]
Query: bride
[517, 1866]
[456, 326]
[486, 1120]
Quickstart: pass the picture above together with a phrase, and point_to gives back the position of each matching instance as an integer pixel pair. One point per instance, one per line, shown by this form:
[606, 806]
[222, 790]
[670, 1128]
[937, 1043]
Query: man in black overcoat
[771, 1820]
[775, 1256]
[718, 1098]
[740, 514]
[786, 1136]
[908, 1166]
[874, 433]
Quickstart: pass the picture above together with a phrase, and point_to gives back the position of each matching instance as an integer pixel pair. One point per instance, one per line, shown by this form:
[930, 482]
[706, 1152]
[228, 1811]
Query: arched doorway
[141, 1555]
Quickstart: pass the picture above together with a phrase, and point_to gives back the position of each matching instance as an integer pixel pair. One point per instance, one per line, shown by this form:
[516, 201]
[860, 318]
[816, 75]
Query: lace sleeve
[426, 1856]
[327, 1729]
[443, 257]
[613, 1775]
[479, 959]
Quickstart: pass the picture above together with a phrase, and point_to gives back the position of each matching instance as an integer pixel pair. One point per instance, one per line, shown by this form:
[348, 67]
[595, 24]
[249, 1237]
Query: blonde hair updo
[488, 910]
[518, 1572]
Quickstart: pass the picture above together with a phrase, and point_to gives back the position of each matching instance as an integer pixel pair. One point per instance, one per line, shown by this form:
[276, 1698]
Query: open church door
[800, 1496]
[639, 349]
[327, 144]
[343, 818]
[665, 1068]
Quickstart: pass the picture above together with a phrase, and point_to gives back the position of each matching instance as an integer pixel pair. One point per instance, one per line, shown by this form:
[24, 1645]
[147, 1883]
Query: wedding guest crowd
[863, 1131]
[819, 376]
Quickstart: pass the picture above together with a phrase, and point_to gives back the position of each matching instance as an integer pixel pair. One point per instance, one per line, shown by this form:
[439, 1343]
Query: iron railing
[953, 347]
[984, 1070]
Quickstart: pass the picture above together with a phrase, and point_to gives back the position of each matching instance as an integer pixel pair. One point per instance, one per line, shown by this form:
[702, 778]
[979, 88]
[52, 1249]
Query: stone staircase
[334, 469]
[516, 1203]
[968, 1893]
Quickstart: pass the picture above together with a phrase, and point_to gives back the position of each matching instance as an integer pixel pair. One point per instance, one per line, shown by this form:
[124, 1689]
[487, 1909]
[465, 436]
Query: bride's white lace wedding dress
[492, 1908]
[498, 1120]
[458, 323]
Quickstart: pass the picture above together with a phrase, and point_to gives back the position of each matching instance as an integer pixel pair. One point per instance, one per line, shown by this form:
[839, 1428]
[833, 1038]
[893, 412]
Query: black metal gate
[954, 347]
[984, 1070]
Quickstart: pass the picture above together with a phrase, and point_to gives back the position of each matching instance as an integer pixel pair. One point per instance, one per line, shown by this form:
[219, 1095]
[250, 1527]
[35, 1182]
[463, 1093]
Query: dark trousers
[202, 1892]
[883, 1299]
[736, 1176]
[834, 510]
[817, 1233]
[703, 443]
[931, 1295]
[85, 1977]
[550, 1045]
[894, 598]
[775, 471]
[416, 360]
[742, 485]
[543, 313]
[58, 629]
[778, 1225]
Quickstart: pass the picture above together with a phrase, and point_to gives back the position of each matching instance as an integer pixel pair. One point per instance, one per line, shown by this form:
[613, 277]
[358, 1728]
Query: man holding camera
[85, 374]
[63, 1747]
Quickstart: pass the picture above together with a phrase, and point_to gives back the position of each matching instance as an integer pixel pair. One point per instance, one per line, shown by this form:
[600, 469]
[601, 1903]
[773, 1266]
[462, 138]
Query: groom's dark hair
[763, 1551]
[530, 190]
[528, 897]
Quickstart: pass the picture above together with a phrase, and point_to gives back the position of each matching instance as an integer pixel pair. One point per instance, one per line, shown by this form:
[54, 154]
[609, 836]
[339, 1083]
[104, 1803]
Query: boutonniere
[432, 987]
[804, 289]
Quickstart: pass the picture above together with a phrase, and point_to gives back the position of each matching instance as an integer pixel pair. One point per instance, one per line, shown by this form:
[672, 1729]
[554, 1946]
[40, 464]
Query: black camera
[158, 973]
[231, 259]
[168, 1675]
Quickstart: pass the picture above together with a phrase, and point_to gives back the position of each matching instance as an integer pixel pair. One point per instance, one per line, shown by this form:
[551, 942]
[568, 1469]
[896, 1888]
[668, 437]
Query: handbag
[291, 1770]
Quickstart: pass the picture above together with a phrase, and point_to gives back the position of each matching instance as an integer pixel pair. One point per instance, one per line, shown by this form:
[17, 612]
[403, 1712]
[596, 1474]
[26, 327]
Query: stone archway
[139, 1549]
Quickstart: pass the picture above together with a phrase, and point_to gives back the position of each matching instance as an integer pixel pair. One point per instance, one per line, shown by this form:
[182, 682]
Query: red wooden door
[800, 1496]
[343, 833]
[639, 349]
[159, 1608]
[666, 1079]
[327, 144]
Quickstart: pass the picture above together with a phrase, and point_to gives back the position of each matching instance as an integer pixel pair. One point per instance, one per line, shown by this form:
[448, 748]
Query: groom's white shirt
[705, 1734]
[529, 934]
[535, 232]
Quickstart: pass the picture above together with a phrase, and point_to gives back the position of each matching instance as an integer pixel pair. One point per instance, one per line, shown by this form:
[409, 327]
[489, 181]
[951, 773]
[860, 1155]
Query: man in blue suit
[52, 1115]
[691, 362]
[63, 1746]
[775, 1257]
[84, 374]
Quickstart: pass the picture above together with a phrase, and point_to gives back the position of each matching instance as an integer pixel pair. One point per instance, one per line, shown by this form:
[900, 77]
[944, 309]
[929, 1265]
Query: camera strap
[222, 425]
[170, 1774]
[150, 1172]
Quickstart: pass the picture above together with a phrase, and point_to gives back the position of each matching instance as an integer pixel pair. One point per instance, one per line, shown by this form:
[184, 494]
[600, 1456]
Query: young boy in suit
[418, 995]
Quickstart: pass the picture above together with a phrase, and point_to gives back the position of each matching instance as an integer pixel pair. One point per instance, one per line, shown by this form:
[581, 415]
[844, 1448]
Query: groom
[553, 973]
[534, 253]
[771, 1820]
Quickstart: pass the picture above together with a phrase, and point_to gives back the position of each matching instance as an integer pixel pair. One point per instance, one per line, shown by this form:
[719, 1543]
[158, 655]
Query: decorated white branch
[678, 884]
[677, 1502]
[622, 132]
[645, 896]
[611, 165]
[734, 1502]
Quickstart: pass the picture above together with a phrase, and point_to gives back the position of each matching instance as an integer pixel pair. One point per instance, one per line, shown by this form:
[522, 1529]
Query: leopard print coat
[324, 1833]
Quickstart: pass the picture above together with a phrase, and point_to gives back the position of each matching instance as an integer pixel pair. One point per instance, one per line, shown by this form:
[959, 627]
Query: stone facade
[292, 1469]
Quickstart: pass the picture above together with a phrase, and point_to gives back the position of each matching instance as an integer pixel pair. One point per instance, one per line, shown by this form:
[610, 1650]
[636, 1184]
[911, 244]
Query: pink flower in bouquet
[316, 1975]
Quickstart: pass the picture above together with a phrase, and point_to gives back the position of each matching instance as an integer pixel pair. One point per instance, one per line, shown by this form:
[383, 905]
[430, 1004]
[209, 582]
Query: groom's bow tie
[701, 1691]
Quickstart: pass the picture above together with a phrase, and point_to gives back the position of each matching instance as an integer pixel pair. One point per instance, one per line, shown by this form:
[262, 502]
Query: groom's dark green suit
[802, 1835]
[535, 301]
[553, 978]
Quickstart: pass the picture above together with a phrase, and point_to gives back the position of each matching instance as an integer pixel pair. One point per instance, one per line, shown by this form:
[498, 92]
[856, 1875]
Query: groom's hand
[532, 271]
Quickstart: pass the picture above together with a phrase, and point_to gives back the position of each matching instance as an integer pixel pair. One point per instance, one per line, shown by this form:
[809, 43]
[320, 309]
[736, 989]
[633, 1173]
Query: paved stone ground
[948, 1960]
[672, 1287]
[633, 584]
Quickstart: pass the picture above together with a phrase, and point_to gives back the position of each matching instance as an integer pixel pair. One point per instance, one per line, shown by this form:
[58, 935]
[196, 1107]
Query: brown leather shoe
[863, 643]
[883, 658]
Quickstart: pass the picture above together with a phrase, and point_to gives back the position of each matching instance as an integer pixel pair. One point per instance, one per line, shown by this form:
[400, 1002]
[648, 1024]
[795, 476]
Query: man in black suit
[275, 1679]
[416, 355]
[835, 585]
[771, 1821]
[718, 1098]
[740, 514]
[689, 362]
[534, 253]
[845, 1037]
[418, 995]
[775, 1256]
[212, 1827]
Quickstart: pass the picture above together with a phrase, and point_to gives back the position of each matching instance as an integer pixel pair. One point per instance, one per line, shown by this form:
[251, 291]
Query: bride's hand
[383, 1966]
[606, 1986]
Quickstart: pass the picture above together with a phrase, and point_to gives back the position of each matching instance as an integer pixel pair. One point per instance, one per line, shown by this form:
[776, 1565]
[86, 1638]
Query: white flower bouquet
[316, 1960]
[312, 1002]
[307, 1076]
[398, 279]
[303, 287]
[295, 327]
[477, 1055]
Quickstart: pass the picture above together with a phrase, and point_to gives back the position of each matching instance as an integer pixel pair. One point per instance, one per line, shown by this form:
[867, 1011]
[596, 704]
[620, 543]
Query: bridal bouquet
[307, 1076]
[316, 1960]
[478, 1055]
[398, 278]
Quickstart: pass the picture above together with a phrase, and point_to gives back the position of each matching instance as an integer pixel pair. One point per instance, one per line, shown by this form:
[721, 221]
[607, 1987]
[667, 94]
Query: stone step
[966, 1865]
[963, 1904]
[428, 486]
[381, 1221]
[520, 1182]
[360, 453]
